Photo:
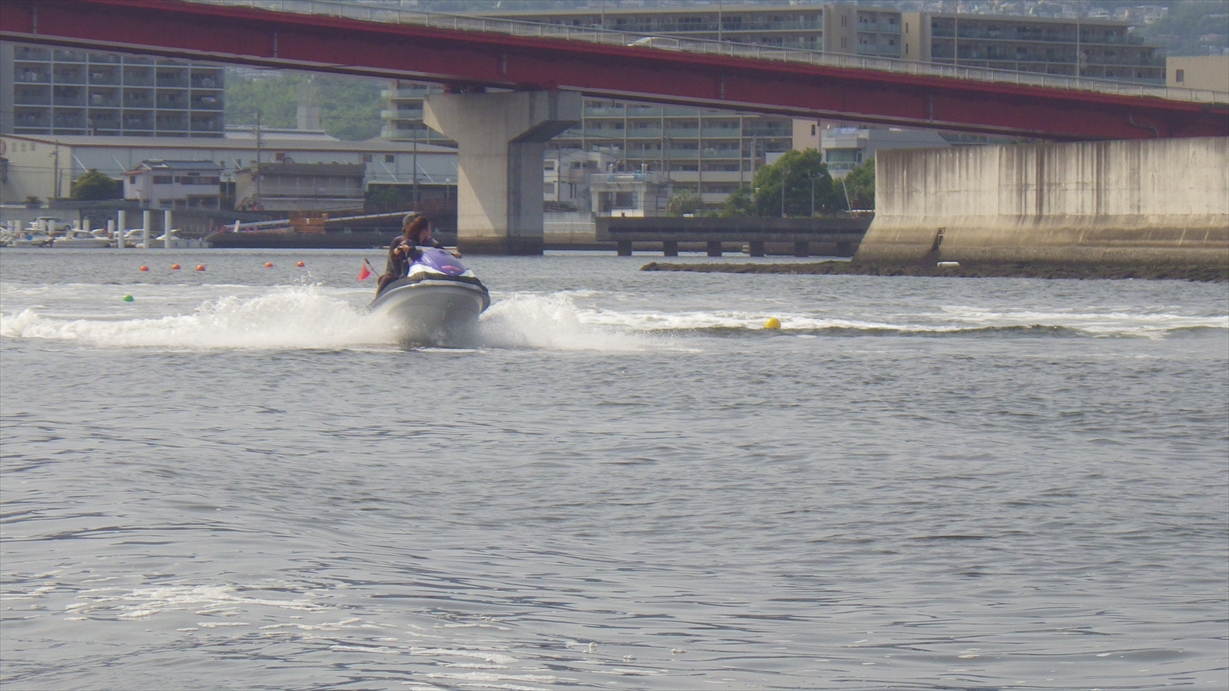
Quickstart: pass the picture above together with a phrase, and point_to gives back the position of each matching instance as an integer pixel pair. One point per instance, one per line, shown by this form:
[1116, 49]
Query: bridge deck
[470, 53]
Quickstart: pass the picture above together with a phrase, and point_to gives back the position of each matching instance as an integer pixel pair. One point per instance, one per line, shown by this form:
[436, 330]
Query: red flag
[362, 275]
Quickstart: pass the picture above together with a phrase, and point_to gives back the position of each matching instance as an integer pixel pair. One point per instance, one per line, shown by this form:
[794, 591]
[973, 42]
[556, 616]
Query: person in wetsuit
[403, 250]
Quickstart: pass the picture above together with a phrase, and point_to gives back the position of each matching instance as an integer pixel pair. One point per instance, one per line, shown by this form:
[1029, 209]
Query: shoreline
[1201, 274]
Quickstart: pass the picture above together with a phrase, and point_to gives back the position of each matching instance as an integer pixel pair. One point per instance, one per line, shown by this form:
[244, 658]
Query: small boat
[80, 238]
[32, 240]
[437, 303]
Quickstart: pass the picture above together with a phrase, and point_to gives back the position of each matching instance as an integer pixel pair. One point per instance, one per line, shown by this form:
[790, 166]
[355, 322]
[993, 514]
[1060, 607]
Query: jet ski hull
[432, 311]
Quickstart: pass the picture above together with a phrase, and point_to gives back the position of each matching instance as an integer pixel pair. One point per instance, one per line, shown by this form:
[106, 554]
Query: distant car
[50, 224]
[661, 42]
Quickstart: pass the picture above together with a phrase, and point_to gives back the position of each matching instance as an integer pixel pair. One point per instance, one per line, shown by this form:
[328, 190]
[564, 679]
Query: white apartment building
[64, 91]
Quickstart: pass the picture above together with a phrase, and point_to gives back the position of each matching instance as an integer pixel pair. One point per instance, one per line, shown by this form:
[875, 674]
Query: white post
[111, 229]
[123, 228]
[167, 242]
[146, 219]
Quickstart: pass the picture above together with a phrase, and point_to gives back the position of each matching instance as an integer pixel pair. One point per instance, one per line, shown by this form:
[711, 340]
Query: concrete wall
[1127, 202]
[1198, 72]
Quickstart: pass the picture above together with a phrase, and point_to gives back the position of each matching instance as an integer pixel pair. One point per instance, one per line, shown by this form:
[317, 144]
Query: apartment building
[58, 91]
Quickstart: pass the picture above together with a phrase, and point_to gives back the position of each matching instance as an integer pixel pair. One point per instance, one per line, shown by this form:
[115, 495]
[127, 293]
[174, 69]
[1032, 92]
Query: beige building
[300, 187]
[1198, 72]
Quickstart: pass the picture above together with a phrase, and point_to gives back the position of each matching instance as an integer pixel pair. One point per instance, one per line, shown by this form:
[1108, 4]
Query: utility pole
[257, 171]
[784, 175]
[814, 179]
[414, 164]
[1079, 56]
[55, 171]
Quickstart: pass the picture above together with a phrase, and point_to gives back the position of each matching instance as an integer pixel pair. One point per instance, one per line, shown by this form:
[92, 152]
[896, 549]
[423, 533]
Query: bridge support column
[500, 140]
[755, 248]
[624, 248]
[669, 248]
[802, 248]
[714, 249]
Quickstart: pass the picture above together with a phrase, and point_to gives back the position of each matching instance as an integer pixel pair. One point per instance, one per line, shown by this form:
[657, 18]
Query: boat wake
[315, 318]
[308, 318]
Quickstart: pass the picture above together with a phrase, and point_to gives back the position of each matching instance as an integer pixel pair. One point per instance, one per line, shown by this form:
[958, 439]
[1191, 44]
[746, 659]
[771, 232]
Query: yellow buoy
[772, 323]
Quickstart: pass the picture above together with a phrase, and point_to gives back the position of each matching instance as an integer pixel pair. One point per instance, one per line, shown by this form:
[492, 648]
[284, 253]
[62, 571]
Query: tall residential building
[58, 91]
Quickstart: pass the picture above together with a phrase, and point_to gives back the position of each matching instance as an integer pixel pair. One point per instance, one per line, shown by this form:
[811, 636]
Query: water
[239, 481]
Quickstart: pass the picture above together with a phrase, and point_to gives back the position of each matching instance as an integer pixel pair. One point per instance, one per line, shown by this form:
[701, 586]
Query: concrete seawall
[1142, 202]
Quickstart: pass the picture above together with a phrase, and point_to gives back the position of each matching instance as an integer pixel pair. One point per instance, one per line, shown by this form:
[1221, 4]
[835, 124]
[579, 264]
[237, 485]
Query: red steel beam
[477, 60]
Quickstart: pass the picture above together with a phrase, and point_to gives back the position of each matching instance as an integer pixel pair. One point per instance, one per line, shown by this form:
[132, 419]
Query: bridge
[541, 71]
[474, 53]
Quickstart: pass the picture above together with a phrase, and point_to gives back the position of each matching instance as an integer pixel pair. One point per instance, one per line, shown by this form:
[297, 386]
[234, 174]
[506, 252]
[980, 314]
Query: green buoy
[127, 298]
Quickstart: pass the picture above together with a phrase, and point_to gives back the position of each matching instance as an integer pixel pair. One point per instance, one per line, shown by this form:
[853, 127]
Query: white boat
[32, 240]
[438, 303]
[80, 238]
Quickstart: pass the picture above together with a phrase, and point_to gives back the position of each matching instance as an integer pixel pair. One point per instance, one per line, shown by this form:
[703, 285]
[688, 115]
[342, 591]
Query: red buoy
[300, 265]
[175, 267]
[268, 265]
[144, 268]
[200, 267]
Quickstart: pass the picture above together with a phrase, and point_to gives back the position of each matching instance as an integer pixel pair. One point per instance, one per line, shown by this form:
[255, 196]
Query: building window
[366, 158]
[1180, 76]
[390, 158]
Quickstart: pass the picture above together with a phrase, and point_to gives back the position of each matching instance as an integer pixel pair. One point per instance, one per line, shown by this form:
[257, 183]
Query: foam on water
[952, 320]
[554, 322]
[292, 317]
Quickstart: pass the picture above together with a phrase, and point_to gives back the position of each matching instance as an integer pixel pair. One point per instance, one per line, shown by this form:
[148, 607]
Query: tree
[95, 186]
[349, 106]
[685, 202]
[860, 185]
[803, 174]
[739, 203]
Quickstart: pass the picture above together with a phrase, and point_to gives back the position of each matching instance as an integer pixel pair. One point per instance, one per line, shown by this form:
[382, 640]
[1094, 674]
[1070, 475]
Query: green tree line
[798, 184]
[349, 106]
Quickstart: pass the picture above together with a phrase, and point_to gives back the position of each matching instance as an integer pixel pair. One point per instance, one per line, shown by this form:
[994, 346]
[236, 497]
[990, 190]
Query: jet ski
[437, 302]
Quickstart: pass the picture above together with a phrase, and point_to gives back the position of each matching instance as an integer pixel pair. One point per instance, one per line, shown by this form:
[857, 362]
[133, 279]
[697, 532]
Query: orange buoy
[144, 268]
[300, 265]
[175, 267]
[268, 265]
[200, 267]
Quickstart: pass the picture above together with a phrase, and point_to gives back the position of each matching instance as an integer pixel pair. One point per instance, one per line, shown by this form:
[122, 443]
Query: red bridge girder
[476, 59]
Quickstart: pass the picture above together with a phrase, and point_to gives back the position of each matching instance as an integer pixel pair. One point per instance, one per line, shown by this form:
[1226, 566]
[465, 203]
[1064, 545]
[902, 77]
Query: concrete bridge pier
[500, 141]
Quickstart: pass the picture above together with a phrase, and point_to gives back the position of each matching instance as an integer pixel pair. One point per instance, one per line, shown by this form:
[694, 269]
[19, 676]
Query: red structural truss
[470, 59]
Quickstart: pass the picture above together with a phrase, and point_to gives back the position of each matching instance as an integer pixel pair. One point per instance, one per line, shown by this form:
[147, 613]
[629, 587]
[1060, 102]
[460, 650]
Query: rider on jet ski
[404, 249]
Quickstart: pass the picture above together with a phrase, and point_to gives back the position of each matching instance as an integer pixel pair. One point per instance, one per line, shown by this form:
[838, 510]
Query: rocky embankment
[1179, 273]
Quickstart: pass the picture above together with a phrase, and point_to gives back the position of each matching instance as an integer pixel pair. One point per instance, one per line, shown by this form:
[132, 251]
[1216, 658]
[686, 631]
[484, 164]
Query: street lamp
[814, 178]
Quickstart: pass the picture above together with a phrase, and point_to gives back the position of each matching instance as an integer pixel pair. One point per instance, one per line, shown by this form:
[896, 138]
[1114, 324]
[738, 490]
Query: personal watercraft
[437, 302]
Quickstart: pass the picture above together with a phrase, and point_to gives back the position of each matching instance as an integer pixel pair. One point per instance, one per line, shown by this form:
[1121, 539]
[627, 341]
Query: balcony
[30, 118]
[30, 53]
[401, 114]
[32, 100]
[68, 56]
[68, 75]
[31, 74]
[206, 101]
[109, 99]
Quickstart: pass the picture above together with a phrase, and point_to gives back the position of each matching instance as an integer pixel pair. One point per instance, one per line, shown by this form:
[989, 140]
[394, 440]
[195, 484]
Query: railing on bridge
[511, 27]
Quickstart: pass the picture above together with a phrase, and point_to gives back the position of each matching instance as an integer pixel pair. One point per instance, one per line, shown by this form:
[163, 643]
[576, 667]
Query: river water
[239, 481]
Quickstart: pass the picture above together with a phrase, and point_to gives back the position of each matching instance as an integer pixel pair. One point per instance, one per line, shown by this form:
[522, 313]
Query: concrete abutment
[500, 141]
[1120, 203]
